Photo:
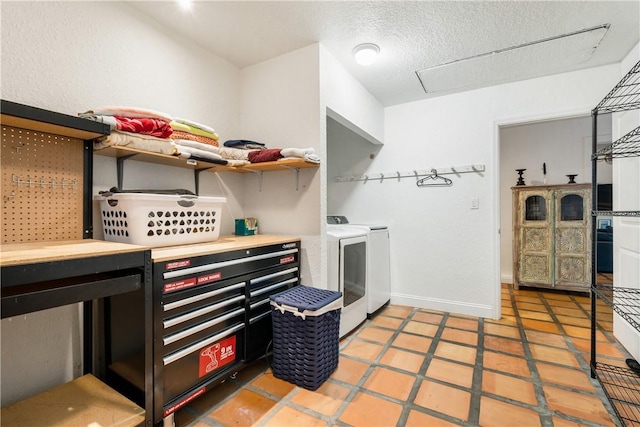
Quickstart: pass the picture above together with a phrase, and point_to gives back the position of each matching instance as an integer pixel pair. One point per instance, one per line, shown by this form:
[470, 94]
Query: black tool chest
[211, 315]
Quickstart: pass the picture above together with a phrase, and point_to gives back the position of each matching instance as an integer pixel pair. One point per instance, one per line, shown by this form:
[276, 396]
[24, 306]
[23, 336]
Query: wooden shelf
[167, 160]
[37, 119]
[84, 401]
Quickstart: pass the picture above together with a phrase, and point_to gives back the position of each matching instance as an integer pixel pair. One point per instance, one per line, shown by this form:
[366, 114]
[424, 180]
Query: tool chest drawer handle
[200, 297]
[197, 346]
[216, 265]
[262, 316]
[201, 327]
[259, 303]
[272, 275]
[204, 310]
[272, 287]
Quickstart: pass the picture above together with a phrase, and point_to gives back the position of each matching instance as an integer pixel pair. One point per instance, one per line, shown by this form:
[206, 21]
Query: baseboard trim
[458, 307]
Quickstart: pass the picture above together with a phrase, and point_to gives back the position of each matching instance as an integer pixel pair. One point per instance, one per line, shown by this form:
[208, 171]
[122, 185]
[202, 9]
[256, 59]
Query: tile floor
[415, 367]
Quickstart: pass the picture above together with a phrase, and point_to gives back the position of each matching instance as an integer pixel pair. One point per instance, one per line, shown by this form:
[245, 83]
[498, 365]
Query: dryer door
[353, 268]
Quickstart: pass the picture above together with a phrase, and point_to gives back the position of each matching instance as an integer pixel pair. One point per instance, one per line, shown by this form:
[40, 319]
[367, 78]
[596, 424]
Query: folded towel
[194, 124]
[132, 112]
[194, 130]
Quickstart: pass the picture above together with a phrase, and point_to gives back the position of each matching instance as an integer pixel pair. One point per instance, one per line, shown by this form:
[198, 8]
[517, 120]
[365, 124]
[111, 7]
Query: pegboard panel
[42, 186]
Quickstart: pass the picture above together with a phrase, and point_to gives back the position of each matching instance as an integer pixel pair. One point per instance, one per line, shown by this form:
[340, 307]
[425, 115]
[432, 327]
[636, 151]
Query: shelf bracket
[196, 178]
[120, 168]
[297, 174]
[259, 178]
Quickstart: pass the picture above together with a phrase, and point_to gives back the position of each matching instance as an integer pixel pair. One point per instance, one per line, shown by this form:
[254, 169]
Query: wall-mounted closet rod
[417, 173]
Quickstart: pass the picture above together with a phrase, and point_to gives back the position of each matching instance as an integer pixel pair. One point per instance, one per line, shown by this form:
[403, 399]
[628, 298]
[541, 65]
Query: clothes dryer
[347, 273]
[378, 261]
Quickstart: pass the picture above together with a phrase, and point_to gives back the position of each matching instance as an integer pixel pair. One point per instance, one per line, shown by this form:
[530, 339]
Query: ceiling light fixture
[185, 4]
[366, 53]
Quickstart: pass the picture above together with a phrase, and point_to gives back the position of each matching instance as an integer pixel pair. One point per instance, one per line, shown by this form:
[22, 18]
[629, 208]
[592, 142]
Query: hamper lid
[305, 297]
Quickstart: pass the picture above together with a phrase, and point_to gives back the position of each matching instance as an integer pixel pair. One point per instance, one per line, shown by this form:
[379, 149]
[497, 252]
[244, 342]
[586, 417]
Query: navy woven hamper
[306, 335]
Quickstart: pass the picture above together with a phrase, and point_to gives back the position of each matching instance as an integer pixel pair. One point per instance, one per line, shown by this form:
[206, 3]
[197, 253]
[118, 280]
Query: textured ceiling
[412, 35]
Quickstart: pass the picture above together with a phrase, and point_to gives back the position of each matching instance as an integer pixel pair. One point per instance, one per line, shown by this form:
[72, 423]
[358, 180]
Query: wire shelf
[622, 387]
[625, 95]
[615, 213]
[627, 146]
[624, 301]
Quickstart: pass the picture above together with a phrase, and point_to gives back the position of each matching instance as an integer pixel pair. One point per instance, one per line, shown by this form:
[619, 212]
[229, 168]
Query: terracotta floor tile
[505, 345]
[602, 348]
[500, 414]
[510, 387]
[460, 336]
[456, 352]
[375, 334]
[561, 422]
[349, 370]
[546, 339]
[420, 328]
[399, 311]
[504, 320]
[550, 296]
[508, 312]
[444, 399]
[292, 417]
[420, 419]
[460, 323]
[527, 299]
[536, 315]
[578, 405]
[567, 304]
[367, 410]
[585, 333]
[574, 312]
[532, 307]
[450, 372]
[428, 317]
[574, 321]
[362, 349]
[273, 385]
[325, 400]
[412, 342]
[503, 331]
[404, 360]
[572, 378]
[386, 322]
[390, 383]
[246, 408]
[554, 355]
[502, 362]
[539, 325]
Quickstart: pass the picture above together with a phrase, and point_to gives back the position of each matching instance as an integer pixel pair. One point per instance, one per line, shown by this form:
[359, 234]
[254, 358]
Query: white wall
[73, 56]
[444, 254]
[564, 145]
[281, 108]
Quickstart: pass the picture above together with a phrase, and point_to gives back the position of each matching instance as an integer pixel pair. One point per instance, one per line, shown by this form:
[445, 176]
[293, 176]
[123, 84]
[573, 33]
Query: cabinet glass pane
[535, 208]
[571, 208]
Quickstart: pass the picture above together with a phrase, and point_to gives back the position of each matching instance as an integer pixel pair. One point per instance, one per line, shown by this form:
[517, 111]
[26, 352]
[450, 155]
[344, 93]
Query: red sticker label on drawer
[208, 278]
[178, 264]
[217, 355]
[176, 286]
[287, 259]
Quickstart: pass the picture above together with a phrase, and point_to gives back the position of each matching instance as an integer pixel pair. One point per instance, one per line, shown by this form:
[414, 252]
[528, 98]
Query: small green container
[246, 226]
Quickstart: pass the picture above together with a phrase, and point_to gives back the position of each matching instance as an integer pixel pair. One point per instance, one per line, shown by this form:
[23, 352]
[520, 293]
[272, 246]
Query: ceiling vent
[542, 57]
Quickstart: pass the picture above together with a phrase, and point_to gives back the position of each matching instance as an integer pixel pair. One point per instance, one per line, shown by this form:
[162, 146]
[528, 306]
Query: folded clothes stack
[138, 128]
[157, 132]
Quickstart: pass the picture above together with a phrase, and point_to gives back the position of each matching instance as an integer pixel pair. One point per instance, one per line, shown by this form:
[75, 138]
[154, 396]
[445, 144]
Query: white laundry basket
[160, 219]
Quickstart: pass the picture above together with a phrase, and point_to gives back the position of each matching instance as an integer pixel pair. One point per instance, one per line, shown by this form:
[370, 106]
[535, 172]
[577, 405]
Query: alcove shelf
[126, 153]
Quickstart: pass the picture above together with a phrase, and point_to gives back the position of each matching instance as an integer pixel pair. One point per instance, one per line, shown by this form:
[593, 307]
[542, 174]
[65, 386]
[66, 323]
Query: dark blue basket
[306, 350]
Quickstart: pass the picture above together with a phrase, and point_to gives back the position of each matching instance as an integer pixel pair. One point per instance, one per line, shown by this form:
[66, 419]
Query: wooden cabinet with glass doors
[551, 236]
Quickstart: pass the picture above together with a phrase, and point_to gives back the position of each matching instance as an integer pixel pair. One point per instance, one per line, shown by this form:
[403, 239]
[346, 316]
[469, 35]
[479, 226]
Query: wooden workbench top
[28, 253]
[223, 244]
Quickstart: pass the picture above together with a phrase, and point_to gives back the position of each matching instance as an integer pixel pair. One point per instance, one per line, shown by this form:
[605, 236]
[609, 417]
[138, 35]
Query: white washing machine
[378, 261]
[347, 273]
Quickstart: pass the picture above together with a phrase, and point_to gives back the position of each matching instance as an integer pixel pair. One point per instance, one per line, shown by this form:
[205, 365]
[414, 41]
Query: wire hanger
[434, 180]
